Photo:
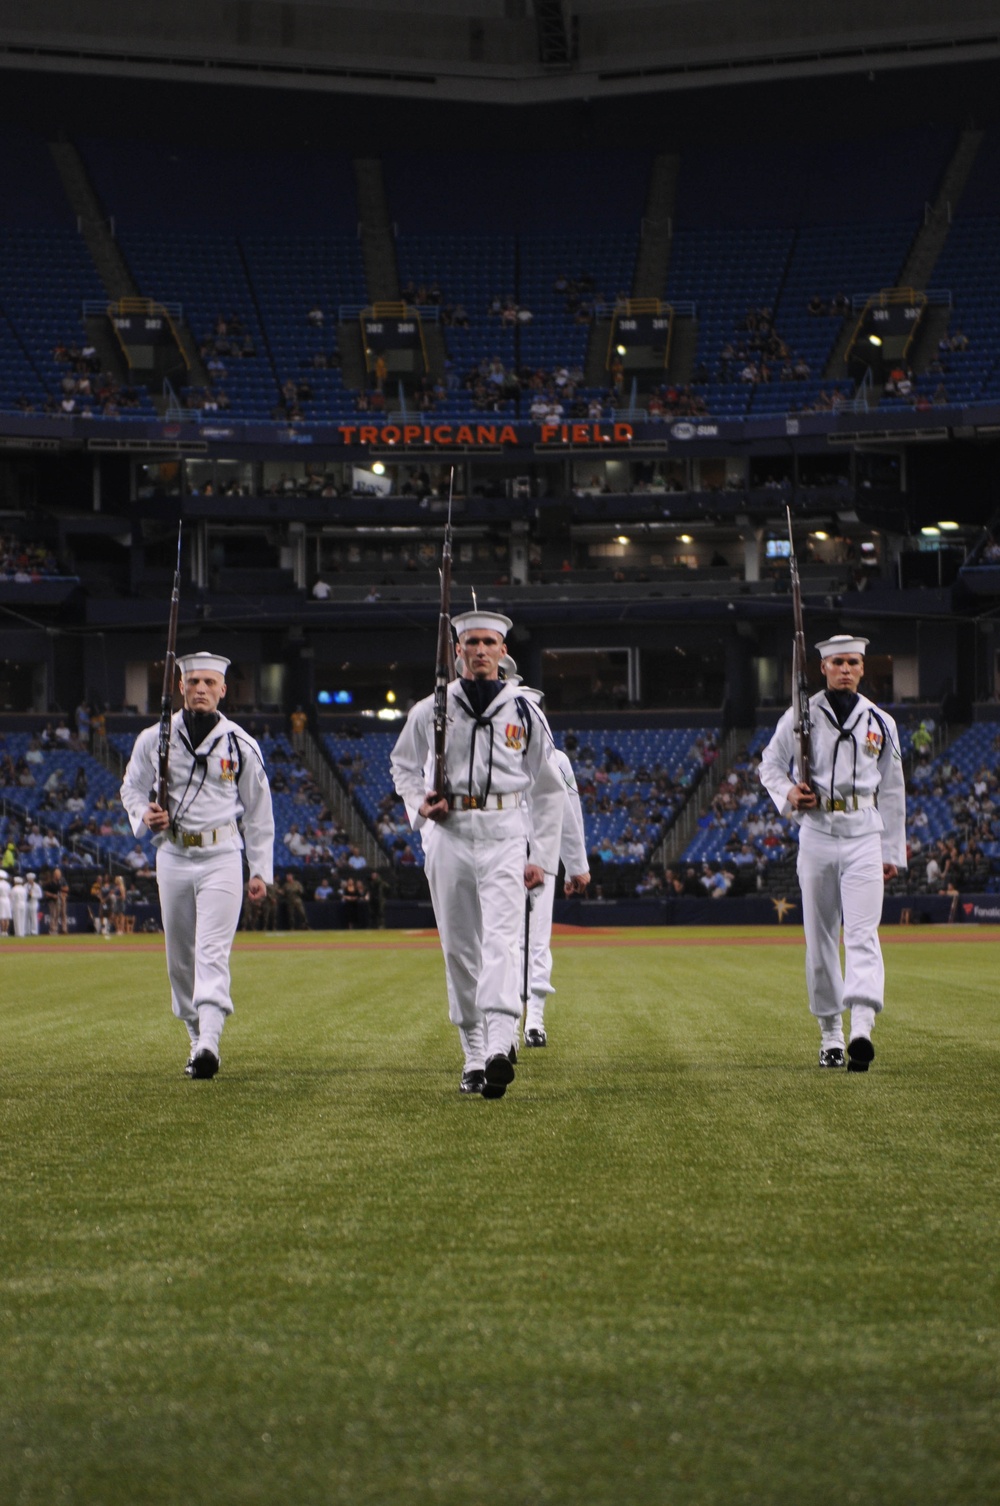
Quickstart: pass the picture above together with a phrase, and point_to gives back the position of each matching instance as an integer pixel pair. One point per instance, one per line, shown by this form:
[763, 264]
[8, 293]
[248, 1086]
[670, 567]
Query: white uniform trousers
[200, 899]
[477, 888]
[841, 877]
[539, 955]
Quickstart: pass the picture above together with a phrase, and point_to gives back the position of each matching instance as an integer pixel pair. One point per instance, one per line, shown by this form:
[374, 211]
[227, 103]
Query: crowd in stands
[837, 307]
[671, 401]
[23, 562]
[228, 340]
[85, 391]
[647, 796]
[757, 353]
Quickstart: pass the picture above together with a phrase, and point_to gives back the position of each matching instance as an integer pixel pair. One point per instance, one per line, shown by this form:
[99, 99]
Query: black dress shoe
[535, 1038]
[499, 1074]
[204, 1063]
[831, 1056]
[472, 1080]
[860, 1052]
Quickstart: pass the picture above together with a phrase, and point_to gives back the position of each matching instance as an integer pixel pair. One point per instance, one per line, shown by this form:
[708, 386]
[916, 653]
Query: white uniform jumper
[573, 853]
[860, 824]
[199, 871]
[475, 859]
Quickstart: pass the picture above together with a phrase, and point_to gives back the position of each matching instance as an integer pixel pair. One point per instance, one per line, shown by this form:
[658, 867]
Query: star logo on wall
[782, 908]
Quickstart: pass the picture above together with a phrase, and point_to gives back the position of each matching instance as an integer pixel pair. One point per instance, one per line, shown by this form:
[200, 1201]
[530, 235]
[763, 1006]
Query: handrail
[135, 306]
[145, 306]
[428, 313]
[936, 296]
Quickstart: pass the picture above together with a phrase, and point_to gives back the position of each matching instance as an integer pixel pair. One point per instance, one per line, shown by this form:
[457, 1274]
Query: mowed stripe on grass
[676, 1263]
[563, 936]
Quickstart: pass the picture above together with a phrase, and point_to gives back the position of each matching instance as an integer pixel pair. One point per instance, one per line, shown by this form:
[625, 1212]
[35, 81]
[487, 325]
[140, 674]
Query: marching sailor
[475, 836]
[536, 971]
[216, 779]
[852, 840]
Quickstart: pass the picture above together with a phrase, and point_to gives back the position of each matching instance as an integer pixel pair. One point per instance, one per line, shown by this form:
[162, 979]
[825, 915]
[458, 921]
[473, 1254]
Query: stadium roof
[500, 52]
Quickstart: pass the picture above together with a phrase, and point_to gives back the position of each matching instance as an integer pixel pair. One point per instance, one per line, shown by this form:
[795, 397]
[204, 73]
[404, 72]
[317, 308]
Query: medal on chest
[873, 740]
[514, 736]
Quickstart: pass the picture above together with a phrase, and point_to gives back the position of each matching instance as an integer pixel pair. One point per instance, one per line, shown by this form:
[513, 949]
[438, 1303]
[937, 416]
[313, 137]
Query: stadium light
[948, 527]
[378, 469]
[931, 532]
[874, 339]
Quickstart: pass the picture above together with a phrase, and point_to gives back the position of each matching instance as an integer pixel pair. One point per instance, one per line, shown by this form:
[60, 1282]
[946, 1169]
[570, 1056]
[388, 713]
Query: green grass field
[677, 1264]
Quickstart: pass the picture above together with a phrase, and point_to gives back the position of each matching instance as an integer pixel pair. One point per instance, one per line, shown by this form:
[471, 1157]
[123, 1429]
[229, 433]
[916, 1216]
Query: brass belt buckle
[191, 838]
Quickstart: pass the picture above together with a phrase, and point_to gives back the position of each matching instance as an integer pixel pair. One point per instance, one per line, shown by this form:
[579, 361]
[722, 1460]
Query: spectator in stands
[137, 861]
[715, 882]
[316, 316]
[298, 722]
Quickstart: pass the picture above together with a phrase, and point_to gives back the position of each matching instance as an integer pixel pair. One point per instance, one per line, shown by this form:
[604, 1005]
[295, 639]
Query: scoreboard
[396, 334]
[886, 331]
[144, 335]
[641, 332]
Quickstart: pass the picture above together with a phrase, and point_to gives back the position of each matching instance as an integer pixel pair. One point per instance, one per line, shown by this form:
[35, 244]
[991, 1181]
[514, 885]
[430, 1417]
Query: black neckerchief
[198, 724]
[481, 693]
[842, 703]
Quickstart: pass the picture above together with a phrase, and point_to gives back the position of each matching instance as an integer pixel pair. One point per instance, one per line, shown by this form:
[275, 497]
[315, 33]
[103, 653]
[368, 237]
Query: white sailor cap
[842, 643]
[494, 622]
[215, 662]
[508, 669]
[18, 879]
[31, 875]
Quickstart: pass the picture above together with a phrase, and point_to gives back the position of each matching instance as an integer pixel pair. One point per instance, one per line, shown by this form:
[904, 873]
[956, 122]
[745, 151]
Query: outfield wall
[753, 910]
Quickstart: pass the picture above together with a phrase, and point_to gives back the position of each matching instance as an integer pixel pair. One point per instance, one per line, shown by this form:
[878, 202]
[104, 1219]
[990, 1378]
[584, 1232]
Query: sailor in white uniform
[5, 904]
[34, 889]
[216, 778]
[537, 976]
[19, 907]
[475, 836]
[852, 839]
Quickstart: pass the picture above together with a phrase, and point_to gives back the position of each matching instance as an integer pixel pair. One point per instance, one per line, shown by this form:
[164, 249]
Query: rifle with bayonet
[167, 696]
[444, 659]
[802, 723]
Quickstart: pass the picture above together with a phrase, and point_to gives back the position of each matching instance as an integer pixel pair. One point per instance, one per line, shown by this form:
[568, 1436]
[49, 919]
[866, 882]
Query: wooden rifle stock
[800, 680]
[167, 695]
[444, 660]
